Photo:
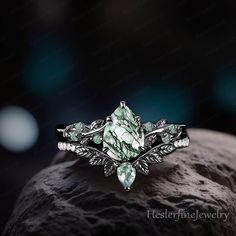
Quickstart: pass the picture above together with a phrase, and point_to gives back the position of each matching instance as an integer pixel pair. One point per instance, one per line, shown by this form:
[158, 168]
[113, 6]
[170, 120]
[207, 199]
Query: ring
[122, 143]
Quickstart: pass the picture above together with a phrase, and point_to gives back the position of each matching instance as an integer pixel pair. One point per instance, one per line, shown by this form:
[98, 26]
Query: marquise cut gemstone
[123, 137]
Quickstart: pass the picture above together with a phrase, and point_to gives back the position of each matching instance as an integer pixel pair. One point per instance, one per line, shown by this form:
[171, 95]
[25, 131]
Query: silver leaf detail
[153, 158]
[90, 152]
[110, 167]
[84, 141]
[96, 124]
[160, 123]
[85, 152]
[98, 160]
[165, 149]
[141, 166]
[154, 155]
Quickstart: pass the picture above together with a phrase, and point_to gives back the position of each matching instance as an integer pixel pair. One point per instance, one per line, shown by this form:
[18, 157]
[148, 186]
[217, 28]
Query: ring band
[122, 143]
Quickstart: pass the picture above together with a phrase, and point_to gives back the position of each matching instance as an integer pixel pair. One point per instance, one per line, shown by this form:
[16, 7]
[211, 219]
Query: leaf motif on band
[98, 160]
[85, 152]
[90, 152]
[110, 167]
[96, 124]
[160, 123]
[165, 149]
[153, 158]
[141, 166]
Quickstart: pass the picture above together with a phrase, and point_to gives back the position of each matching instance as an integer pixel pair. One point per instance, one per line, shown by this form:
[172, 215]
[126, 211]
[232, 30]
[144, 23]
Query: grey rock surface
[72, 198]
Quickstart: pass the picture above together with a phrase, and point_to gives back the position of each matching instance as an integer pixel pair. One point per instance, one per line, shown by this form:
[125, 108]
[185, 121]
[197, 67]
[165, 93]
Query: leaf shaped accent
[96, 124]
[153, 158]
[86, 152]
[98, 160]
[90, 152]
[160, 123]
[110, 167]
[153, 154]
[141, 166]
[84, 141]
[165, 149]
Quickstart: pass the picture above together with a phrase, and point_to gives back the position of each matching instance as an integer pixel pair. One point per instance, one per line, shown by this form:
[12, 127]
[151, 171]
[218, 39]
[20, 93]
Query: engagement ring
[122, 143]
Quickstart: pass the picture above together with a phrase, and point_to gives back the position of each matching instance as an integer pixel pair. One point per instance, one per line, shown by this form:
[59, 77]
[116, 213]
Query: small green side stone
[79, 127]
[97, 139]
[173, 129]
[149, 126]
[166, 138]
[73, 136]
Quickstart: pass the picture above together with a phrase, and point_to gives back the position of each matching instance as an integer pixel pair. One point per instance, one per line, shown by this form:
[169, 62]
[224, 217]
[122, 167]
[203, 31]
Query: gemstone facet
[79, 127]
[123, 137]
[73, 136]
[166, 138]
[126, 174]
[97, 139]
[149, 126]
[173, 129]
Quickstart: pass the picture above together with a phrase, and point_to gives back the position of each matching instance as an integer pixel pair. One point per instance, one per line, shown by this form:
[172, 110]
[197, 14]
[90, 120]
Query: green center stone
[123, 137]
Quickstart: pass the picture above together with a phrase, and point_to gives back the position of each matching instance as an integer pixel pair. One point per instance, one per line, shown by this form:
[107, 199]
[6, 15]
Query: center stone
[123, 136]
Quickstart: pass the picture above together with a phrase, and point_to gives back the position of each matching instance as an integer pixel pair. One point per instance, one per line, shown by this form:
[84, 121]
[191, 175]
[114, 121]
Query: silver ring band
[122, 143]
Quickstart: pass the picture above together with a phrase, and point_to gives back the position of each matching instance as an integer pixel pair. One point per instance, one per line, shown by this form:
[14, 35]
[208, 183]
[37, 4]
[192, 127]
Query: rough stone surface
[72, 198]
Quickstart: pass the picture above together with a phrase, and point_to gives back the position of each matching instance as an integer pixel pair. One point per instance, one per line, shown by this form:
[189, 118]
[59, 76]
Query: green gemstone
[166, 138]
[73, 136]
[97, 139]
[126, 174]
[149, 126]
[173, 129]
[79, 127]
[123, 136]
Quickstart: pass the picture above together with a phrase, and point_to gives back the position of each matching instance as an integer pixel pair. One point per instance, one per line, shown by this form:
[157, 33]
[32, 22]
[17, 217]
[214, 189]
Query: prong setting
[142, 149]
[108, 119]
[104, 149]
[127, 189]
[138, 120]
[122, 104]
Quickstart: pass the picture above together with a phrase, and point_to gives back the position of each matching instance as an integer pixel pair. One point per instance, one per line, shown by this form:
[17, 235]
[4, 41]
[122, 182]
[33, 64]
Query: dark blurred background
[66, 61]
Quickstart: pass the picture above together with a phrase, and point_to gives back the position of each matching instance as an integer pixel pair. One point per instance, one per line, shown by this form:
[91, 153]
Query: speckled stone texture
[72, 198]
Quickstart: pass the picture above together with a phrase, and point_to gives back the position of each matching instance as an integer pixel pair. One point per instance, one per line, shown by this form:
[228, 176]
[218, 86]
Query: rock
[72, 198]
